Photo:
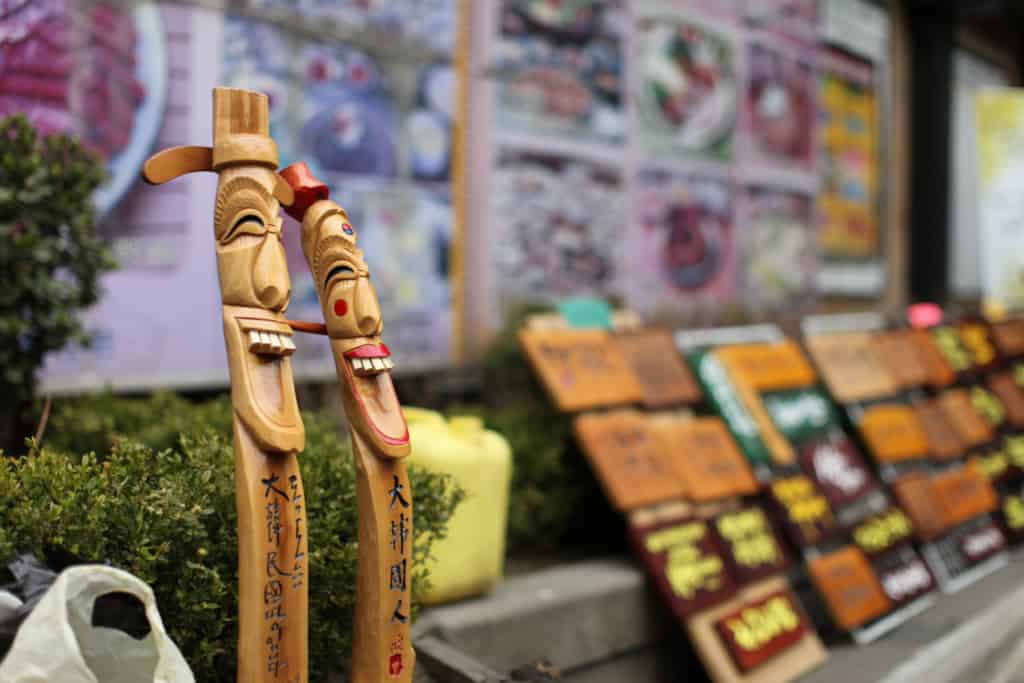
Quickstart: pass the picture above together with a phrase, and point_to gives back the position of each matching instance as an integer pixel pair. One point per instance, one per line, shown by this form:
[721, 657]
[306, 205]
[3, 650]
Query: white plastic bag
[57, 641]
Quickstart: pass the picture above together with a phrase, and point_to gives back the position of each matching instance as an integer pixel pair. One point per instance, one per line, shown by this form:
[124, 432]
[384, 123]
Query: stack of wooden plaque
[690, 497]
[759, 481]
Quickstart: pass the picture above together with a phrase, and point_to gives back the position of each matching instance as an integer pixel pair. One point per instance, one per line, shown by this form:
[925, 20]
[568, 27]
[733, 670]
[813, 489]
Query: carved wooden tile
[947, 340]
[940, 374]
[580, 369]
[916, 496]
[964, 493]
[751, 548]
[943, 441]
[851, 367]
[705, 457]
[684, 560]
[665, 378]
[838, 469]
[899, 354]
[1009, 337]
[628, 459]
[769, 367]
[969, 424]
[761, 629]
[849, 586]
[1004, 386]
[803, 511]
[893, 433]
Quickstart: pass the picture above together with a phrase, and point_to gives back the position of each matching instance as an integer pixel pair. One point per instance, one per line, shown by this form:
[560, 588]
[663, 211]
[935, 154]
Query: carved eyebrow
[338, 269]
[248, 218]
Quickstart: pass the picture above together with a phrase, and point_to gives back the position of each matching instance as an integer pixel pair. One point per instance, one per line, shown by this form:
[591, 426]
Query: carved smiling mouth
[371, 359]
[276, 344]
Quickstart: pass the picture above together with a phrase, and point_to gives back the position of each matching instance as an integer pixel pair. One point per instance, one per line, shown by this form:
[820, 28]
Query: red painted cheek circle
[340, 307]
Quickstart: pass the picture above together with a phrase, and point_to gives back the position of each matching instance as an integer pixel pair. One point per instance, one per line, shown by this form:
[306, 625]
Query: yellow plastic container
[471, 559]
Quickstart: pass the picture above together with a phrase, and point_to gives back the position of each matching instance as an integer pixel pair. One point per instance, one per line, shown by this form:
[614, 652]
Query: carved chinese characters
[850, 366]
[850, 588]
[628, 459]
[581, 368]
[805, 513]
[381, 643]
[970, 425]
[838, 469]
[943, 442]
[900, 356]
[761, 629]
[704, 457]
[963, 493]
[750, 544]
[893, 433]
[268, 432]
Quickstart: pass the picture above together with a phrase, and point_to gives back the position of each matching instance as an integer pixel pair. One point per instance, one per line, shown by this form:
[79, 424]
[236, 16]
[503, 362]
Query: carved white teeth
[270, 343]
[378, 364]
[371, 366]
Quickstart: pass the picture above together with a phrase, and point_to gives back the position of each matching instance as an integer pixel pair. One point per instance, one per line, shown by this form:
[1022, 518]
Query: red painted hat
[308, 190]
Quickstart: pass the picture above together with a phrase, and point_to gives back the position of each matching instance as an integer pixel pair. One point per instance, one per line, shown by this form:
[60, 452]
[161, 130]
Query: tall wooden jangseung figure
[382, 650]
[268, 432]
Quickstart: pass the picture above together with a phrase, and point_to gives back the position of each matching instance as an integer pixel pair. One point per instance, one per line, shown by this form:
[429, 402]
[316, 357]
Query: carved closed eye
[342, 271]
[248, 224]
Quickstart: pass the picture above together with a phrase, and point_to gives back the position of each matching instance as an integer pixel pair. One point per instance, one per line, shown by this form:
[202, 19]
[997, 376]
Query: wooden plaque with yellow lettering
[684, 560]
[760, 636]
[964, 493]
[804, 512]
[665, 378]
[851, 367]
[705, 457]
[628, 459]
[751, 548]
[893, 433]
[899, 354]
[972, 428]
[581, 369]
[849, 586]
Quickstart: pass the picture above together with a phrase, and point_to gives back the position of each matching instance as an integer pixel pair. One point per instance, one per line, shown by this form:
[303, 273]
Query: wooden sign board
[684, 559]
[580, 369]
[628, 459]
[705, 457]
[971, 427]
[800, 414]
[957, 557]
[665, 379]
[722, 393]
[903, 574]
[769, 367]
[850, 366]
[761, 636]
[751, 548]
[893, 433]
[899, 354]
[849, 587]
[943, 441]
[804, 512]
[881, 532]
[779, 449]
[940, 374]
[838, 469]
[947, 341]
[916, 496]
[1009, 337]
[963, 494]
[976, 339]
[1010, 395]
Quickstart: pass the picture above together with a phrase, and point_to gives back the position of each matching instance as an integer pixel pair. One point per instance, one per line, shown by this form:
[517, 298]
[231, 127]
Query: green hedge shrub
[156, 497]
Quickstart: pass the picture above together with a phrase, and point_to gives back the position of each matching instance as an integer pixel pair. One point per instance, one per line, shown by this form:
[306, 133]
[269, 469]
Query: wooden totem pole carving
[382, 649]
[268, 432]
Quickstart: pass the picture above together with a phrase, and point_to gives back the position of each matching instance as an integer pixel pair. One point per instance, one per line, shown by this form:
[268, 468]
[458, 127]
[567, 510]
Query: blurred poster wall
[379, 129]
[686, 157]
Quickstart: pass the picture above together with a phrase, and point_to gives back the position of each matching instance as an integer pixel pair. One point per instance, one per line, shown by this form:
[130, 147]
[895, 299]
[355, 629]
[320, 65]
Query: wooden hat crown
[241, 129]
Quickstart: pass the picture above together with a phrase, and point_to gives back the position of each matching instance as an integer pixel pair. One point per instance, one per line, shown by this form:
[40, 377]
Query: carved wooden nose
[270, 275]
[367, 309]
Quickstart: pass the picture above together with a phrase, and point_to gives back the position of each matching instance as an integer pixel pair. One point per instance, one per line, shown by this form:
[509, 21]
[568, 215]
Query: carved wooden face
[250, 256]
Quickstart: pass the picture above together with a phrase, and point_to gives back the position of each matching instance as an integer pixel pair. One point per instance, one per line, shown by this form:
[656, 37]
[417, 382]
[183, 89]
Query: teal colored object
[800, 414]
[586, 313]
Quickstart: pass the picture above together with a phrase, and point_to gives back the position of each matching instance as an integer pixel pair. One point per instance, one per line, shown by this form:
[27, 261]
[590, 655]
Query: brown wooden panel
[750, 545]
[917, 497]
[893, 433]
[849, 586]
[1009, 337]
[964, 493]
[804, 511]
[684, 560]
[899, 353]
[665, 378]
[943, 441]
[778, 446]
[851, 367]
[628, 459]
[1004, 386]
[705, 457]
[769, 367]
[972, 428]
[940, 374]
[580, 369]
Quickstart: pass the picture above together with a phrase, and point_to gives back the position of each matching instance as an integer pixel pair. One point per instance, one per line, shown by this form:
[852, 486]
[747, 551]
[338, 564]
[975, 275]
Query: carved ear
[170, 163]
[283, 192]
